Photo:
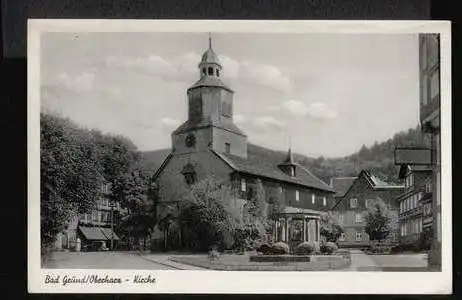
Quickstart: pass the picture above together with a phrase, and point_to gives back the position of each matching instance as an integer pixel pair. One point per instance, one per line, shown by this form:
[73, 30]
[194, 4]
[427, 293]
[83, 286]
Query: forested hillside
[377, 158]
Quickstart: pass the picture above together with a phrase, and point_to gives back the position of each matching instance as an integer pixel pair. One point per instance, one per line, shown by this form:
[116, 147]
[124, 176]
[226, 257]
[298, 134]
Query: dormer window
[292, 171]
[210, 71]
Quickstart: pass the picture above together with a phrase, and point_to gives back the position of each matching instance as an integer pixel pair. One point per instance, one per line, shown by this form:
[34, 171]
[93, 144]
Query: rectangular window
[359, 236]
[358, 218]
[324, 201]
[341, 218]
[297, 195]
[411, 180]
[424, 90]
[369, 203]
[434, 84]
[313, 198]
[228, 148]
[428, 186]
[353, 202]
[243, 185]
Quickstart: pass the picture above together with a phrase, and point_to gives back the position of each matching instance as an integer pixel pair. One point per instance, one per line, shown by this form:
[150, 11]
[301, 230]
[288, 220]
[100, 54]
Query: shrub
[264, 249]
[329, 248]
[280, 248]
[305, 248]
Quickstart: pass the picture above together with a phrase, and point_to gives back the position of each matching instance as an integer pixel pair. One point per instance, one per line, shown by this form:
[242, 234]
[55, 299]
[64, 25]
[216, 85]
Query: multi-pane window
[313, 198]
[353, 202]
[424, 90]
[341, 218]
[358, 218]
[428, 186]
[243, 185]
[434, 84]
[369, 203]
[297, 195]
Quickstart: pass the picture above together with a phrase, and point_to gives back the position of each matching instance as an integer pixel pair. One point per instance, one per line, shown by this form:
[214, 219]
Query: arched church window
[189, 174]
[210, 71]
[218, 73]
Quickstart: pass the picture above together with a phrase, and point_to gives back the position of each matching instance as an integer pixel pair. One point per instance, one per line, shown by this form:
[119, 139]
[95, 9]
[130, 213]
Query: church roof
[264, 168]
[223, 124]
[210, 81]
[210, 56]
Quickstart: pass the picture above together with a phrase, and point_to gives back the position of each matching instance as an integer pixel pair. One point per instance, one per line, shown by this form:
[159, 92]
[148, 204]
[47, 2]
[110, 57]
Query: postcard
[175, 156]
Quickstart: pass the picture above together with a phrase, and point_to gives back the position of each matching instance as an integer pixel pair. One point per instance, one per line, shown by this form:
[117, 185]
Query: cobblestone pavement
[103, 260]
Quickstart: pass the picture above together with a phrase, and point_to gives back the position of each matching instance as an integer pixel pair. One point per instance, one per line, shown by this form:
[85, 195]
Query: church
[210, 145]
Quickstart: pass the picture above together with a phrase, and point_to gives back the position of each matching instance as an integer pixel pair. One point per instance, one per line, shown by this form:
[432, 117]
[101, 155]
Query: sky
[324, 94]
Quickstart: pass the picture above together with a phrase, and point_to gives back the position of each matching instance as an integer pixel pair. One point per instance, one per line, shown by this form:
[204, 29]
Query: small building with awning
[93, 237]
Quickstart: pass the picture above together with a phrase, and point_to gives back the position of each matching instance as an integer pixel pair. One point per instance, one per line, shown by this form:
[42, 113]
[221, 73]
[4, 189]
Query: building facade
[209, 145]
[415, 211]
[430, 95]
[352, 207]
[93, 230]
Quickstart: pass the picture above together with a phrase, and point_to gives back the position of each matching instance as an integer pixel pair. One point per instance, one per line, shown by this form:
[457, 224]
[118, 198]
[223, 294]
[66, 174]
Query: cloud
[267, 123]
[81, 82]
[184, 67]
[239, 119]
[265, 75]
[168, 124]
[316, 110]
[255, 73]
[320, 111]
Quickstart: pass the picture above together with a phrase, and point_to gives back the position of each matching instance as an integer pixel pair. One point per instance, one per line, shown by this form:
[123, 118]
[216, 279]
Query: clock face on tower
[190, 140]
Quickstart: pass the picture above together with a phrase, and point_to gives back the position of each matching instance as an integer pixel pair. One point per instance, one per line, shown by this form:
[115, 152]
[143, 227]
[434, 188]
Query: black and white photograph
[292, 151]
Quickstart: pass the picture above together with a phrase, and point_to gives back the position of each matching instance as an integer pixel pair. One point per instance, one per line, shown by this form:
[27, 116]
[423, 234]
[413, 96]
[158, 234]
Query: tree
[330, 228]
[378, 221]
[70, 175]
[209, 217]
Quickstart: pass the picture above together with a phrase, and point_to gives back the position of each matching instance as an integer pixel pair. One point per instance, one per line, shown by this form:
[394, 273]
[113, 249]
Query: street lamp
[112, 205]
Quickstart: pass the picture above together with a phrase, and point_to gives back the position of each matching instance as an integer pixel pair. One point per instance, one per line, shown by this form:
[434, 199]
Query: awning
[109, 233]
[92, 233]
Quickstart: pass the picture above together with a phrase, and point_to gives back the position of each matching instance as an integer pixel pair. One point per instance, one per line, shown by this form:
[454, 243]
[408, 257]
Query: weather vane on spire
[210, 40]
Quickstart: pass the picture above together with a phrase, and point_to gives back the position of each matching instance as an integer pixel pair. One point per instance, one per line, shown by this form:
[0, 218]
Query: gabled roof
[268, 169]
[341, 185]
[222, 123]
[374, 182]
[377, 183]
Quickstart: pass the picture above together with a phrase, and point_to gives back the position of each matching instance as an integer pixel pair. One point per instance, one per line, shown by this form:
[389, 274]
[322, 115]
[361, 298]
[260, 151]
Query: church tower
[210, 123]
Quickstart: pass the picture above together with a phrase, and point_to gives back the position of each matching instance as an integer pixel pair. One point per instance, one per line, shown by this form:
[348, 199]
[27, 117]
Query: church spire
[288, 166]
[210, 40]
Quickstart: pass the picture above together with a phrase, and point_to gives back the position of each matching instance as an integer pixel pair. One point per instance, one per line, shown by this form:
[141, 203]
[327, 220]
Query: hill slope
[378, 158]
